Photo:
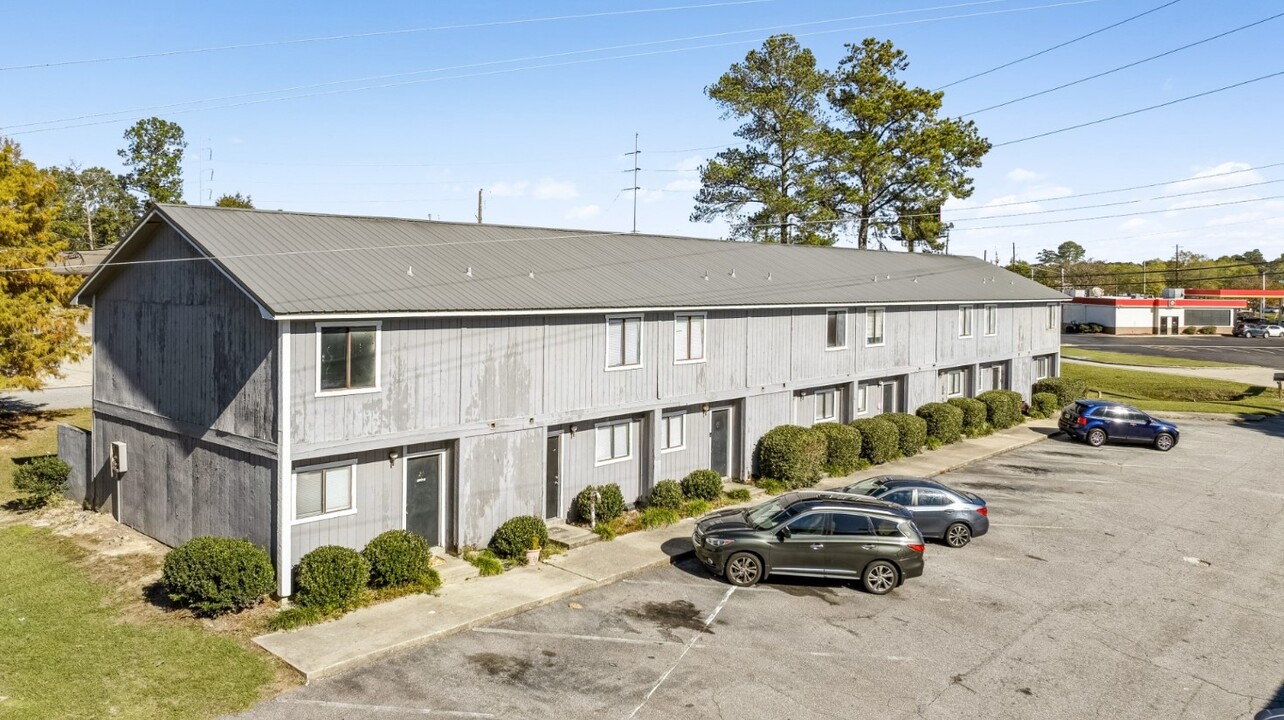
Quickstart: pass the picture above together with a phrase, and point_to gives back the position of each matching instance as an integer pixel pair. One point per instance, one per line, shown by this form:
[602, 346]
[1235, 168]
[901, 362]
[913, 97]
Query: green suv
[814, 534]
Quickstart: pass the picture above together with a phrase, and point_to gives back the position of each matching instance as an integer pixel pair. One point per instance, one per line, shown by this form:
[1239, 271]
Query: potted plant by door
[532, 555]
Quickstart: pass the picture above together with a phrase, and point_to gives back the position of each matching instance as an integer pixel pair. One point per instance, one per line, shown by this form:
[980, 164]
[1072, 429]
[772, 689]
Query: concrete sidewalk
[368, 633]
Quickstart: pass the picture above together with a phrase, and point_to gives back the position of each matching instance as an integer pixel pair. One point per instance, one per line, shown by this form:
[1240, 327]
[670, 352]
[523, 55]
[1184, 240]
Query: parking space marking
[690, 643]
[1039, 527]
[690, 585]
[388, 708]
[573, 636]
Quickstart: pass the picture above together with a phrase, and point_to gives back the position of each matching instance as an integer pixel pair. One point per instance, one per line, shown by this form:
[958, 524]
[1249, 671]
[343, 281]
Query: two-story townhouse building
[304, 380]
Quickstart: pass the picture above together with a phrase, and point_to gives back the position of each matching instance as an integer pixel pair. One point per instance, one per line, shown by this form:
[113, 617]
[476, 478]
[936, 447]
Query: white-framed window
[324, 491]
[835, 329]
[991, 319]
[952, 382]
[614, 441]
[347, 358]
[1052, 316]
[673, 432]
[874, 319]
[993, 377]
[623, 342]
[826, 406]
[1044, 366]
[862, 399]
[688, 337]
[965, 321]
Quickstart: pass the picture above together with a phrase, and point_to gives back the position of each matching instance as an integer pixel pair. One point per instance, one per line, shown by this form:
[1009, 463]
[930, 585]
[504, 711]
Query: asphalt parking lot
[1115, 582]
[1267, 352]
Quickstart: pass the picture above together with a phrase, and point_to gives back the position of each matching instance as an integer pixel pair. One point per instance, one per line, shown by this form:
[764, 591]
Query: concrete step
[572, 536]
[453, 569]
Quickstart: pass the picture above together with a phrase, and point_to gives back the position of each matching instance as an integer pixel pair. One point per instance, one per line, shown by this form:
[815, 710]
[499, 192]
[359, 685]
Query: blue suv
[1097, 421]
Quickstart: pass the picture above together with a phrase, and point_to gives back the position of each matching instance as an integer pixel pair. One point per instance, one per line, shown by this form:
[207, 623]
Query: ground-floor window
[614, 441]
[1045, 366]
[994, 376]
[954, 382]
[324, 490]
[862, 399]
[673, 435]
[826, 406]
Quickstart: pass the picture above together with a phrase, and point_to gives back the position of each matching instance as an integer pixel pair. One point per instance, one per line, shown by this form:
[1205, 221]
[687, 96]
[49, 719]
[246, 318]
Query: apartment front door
[423, 496]
[720, 441]
[553, 478]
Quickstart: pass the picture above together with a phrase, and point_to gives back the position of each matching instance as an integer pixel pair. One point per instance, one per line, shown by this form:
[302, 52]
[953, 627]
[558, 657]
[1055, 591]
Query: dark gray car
[940, 512]
[813, 534]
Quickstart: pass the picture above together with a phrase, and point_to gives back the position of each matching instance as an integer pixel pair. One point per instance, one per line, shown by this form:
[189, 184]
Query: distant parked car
[1264, 331]
[814, 534]
[940, 512]
[1097, 421]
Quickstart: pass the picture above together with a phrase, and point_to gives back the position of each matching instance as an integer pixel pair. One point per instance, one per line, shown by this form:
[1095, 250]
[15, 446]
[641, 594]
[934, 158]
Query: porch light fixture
[392, 457]
[705, 407]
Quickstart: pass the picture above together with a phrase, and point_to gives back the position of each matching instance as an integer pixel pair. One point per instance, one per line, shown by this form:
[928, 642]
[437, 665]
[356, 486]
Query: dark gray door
[553, 479]
[891, 396]
[423, 496]
[720, 442]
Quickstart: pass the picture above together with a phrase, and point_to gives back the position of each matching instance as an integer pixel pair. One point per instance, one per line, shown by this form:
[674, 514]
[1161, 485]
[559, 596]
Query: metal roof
[306, 264]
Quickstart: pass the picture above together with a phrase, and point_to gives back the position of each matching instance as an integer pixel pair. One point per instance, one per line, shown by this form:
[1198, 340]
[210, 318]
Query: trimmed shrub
[944, 422]
[666, 494]
[1208, 330]
[486, 563]
[42, 478]
[933, 443]
[610, 504]
[973, 415]
[696, 507]
[842, 448]
[400, 557]
[294, 617]
[1067, 390]
[702, 485]
[513, 538]
[1002, 408]
[604, 531]
[791, 454]
[880, 440]
[911, 431]
[215, 575]
[654, 517]
[1189, 330]
[1044, 403]
[332, 579]
[771, 486]
[739, 495]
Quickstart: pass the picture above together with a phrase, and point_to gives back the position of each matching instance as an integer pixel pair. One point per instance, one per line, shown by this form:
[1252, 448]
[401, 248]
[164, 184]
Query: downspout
[284, 465]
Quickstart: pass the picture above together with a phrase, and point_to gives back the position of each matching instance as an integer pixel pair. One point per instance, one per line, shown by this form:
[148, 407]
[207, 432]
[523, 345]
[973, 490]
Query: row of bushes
[1205, 330]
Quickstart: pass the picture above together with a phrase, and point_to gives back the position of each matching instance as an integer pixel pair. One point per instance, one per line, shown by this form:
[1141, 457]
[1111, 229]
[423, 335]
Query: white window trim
[883, 313]
[969, 311]
[962, 376]
[988, 330]
[294, 487]
[844, 313]
[665, 420]
[612, 461]
[1052, 316]
[1052, 366]
[606, 361]
[441, 497]
[704, 339]
[378, 386]
[817, 405]
[862, 394]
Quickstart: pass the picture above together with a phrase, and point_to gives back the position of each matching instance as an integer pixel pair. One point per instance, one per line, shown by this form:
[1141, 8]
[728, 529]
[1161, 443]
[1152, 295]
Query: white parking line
[690, 585]
[388, 708]
[573, 636]
[1038, 527]
[707, 622]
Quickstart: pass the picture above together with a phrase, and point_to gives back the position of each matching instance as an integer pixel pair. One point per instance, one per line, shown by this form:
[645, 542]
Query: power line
[1058, 46]
[1122, 67]
[1121, 215]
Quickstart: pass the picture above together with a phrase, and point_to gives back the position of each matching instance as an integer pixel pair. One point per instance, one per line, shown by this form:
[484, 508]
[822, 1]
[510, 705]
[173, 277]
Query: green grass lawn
[26, 434]
[1118, 358]
[1174, 393]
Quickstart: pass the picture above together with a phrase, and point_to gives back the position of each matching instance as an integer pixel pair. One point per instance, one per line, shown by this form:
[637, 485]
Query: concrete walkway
[1248, 374]
[369, 633]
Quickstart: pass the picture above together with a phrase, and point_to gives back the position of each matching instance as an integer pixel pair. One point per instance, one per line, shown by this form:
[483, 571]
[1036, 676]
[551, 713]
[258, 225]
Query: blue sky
[539, 112]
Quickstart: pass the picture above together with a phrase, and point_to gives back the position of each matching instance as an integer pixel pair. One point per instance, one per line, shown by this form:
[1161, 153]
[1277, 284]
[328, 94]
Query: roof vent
[768, 276]
[733, 272]
[469, 271]
[531, 275]
[410, 270]
[706, 274]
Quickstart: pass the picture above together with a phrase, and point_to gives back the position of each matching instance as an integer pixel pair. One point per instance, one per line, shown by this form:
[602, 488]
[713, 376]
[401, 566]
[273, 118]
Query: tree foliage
[96, 209]
[37, 329]
[234, 201]
[154, 155]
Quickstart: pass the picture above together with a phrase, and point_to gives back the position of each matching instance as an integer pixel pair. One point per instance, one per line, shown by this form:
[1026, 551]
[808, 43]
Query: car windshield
[866, 486]
[770, 514]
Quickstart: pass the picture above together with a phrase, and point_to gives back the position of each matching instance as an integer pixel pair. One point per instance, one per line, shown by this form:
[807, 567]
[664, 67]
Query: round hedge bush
[666, 494]
[791, 454]
[702, 485]
[400, 557]
[1045, 404]
[513, 538]
[42, 478]
[973, 415]
[911, 431]
[331, 579]
[944, 421]
[879, 439]
[1066, 389]
[610, 503]
[215, 575]
[1002, 408]
[842, 448]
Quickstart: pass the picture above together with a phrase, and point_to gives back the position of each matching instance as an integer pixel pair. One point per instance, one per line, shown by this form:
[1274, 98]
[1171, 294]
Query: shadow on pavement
[19, 417]
[1274, 709]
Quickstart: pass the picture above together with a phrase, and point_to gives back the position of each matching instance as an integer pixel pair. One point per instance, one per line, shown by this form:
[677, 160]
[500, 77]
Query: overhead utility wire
[1121, 67]
[1058, 46]
[377, 33]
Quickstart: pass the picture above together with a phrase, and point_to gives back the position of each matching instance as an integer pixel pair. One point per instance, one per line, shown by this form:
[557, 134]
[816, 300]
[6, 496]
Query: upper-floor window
[874, 326]
[673, 432]
[965, 321]
[991, 319]
[348, 358]
[624, 341]
[324, 490]
[826, 407]
[1052, 316]
[614, 441]
[835, 329]
[688, 337]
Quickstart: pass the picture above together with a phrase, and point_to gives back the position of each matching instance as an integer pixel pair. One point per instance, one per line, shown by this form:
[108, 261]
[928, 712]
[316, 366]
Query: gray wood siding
[501, 476]
[501, 368]
[768, 351]
[580, 468]
[810, 358]
[378, 498]
[676, 464]
[897, 340]
[762, 413]
[805, 406]
[179, 340]
[724, 364]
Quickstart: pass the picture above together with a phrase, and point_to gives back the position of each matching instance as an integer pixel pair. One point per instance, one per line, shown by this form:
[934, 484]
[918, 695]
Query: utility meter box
[119, 457]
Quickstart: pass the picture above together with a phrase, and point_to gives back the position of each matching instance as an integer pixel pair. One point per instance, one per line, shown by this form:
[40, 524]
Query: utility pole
[1263, 294]
[479, 205]
[1177, 266]
[636, 152]
[205, 153]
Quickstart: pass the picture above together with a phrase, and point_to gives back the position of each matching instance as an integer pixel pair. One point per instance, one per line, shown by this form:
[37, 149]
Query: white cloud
[1134, 223]
[509, 189]
[550, 189]
[1216, 177]
[691, 164]
[583, 212]
[1021, 175]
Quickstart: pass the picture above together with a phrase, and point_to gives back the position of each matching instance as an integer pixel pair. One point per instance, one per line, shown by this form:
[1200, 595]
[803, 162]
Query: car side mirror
[785, 533]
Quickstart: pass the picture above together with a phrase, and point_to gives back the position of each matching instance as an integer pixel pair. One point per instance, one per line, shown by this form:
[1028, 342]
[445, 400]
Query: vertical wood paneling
[762, 413]
[768, 353]
[676, 464]
[501, 476]
[580, 468]
[379, 506]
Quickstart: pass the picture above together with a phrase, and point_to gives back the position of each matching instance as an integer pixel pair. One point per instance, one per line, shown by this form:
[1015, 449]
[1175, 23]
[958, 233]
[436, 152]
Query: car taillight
[916, 548]
[983, 511]
[1082, 421]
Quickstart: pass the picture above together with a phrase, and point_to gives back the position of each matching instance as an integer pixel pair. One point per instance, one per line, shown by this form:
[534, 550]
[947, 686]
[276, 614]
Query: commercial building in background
[1169, 314]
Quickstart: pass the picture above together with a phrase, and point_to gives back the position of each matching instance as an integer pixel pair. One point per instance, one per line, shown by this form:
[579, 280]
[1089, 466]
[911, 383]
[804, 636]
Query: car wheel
[879, 578]
[958, 535]
[1164, 442]
[1096, 437]
[744, 569]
